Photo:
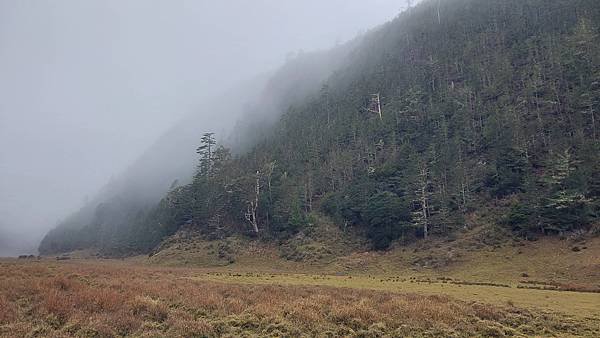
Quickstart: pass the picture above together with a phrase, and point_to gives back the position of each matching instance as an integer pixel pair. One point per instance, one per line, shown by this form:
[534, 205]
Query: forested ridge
[453, 107]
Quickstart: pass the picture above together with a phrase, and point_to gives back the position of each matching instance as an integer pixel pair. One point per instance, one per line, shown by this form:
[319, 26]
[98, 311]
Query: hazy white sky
[86, 86]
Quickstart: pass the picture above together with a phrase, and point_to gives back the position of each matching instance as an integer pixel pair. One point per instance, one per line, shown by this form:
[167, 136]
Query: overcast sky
[86, 86]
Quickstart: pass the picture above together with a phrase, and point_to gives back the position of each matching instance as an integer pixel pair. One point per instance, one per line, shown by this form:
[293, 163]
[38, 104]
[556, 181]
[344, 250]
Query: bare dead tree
[422, 216]
[375, 105]
[270, 168]
[308, 193]
[591, 107]
[251, 213]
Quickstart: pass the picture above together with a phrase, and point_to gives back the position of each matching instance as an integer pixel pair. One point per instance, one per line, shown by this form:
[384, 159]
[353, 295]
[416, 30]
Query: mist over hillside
[247, 114]
[436, 174]
[8, 247]
[89, 86]
[402, 134]
[171, 160]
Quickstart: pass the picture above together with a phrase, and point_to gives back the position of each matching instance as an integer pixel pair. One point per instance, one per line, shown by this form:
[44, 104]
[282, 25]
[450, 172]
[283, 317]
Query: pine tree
[565, 208]
[205, 150]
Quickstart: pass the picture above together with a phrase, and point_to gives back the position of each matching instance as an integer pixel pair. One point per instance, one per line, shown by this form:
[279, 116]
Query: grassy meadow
[205, 293]
[114, 298]
[329, 287]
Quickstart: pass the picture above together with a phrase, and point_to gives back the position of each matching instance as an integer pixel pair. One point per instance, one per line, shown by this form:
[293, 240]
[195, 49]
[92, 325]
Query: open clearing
[237, 287]
[93, 298]
[540, 275]
[580, 304]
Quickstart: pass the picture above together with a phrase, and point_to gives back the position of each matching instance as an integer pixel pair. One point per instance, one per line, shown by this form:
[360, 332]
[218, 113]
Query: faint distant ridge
[13, 244]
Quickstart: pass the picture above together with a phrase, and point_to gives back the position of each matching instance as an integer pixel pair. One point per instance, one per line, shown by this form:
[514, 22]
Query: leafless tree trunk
[424, 205]
[423, 199]
[375, 105]
[270, 169]
[251, 213]
[593, 121]
[309, 193]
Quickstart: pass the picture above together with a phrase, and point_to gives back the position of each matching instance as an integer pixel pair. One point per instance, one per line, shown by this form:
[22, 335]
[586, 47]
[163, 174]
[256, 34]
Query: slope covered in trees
[106, 221]
[454, 107]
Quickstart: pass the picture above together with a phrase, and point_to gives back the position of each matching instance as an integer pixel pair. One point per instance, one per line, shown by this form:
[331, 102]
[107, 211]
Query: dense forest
[453, 107]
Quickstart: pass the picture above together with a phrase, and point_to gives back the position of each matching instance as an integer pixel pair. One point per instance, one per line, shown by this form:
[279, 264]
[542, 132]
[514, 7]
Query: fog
[86, 87]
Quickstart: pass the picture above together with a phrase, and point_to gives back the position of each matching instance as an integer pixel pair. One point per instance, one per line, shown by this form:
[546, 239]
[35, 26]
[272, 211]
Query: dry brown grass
[6, 311]
[93, 299]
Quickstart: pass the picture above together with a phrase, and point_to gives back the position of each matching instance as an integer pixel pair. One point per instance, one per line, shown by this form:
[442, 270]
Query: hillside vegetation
[453, 109]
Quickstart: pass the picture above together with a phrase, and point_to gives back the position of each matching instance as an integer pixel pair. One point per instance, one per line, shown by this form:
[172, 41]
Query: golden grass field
[112, 298]
[242, 288]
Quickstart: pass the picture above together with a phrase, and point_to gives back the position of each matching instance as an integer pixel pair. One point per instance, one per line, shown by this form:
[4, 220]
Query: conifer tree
[205, 150]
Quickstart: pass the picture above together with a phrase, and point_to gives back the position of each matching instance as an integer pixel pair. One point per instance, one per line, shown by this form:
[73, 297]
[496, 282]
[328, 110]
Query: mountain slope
[169, 160]
[487, 107]
[106, 221]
